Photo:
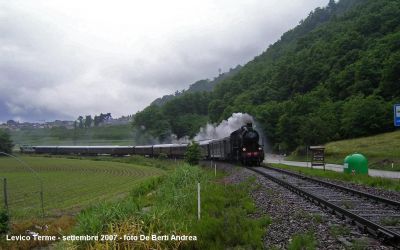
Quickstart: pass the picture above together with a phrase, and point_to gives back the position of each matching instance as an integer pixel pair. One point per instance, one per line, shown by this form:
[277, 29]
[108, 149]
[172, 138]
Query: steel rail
[375, 229]
[326, 183]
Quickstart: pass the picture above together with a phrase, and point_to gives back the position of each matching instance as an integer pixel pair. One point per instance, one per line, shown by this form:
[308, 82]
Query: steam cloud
[225, 128]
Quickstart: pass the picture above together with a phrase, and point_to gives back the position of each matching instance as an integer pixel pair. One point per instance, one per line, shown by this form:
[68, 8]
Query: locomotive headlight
[260, 148]
[244, 149]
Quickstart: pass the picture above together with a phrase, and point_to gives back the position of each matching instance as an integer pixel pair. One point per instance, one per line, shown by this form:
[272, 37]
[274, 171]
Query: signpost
[396, 111]
[318, 156]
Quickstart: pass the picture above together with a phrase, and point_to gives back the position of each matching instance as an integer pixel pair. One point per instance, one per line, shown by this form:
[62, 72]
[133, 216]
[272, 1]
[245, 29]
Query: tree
[5, 142]
[331, 5]
[391, 76]
[366, 116]
[88, 121]
[96, 120]
[192, 155]
[152, 121]
[80, 119]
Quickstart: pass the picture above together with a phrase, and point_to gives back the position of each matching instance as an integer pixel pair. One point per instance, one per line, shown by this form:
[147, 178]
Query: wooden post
[42, 202]
[5, 194]
[198, 200]
[215, 169]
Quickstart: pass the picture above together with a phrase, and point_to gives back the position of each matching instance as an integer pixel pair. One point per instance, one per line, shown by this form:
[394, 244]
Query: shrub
[5, 142]
[192, 155]
[4, 221]
[304, 241]
[162, 156]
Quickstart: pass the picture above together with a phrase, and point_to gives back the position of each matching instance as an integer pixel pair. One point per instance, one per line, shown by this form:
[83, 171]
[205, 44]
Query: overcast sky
[60, 59]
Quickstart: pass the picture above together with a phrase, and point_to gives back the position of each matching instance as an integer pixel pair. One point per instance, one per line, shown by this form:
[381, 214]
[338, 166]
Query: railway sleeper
[365, 225]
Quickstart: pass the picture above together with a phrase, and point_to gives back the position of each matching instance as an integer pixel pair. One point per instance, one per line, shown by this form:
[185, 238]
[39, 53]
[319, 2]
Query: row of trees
[182, 116]
[88, 121]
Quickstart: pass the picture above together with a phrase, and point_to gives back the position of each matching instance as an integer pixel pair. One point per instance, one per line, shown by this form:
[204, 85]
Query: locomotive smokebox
[249, 124]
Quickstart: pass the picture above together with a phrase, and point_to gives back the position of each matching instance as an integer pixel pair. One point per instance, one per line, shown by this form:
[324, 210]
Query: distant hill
[334, 76]
[199, 86]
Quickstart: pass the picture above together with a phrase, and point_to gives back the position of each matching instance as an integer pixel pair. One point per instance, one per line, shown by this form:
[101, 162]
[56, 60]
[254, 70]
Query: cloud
[60, 59]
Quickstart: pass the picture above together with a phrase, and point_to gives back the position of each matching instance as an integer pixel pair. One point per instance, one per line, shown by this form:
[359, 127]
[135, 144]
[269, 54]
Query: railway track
[373, 214]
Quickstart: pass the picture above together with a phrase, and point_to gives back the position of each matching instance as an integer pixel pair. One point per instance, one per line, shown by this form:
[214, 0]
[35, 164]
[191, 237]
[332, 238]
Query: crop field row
[68, 184]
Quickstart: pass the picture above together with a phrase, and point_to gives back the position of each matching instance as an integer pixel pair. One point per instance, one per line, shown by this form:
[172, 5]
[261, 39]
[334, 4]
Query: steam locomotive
[241, 146]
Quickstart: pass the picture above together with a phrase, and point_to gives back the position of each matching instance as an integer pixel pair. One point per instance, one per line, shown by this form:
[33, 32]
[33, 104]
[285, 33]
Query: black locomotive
[241, 146]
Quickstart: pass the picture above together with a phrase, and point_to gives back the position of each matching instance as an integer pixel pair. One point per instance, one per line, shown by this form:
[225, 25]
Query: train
[241, 146]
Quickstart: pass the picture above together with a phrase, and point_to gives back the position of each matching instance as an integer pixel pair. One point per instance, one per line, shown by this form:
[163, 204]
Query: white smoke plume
[225, 128]
[183, 140]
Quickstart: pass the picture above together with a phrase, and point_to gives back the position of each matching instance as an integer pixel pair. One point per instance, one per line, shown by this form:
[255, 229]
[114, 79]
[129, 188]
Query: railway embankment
[296, 222]
[277, 159]
[386, 187]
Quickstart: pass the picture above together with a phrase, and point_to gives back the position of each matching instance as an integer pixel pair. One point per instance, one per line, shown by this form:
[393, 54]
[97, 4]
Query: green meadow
[103, 135]
[381, 150]
[68, 184]
[129, 196]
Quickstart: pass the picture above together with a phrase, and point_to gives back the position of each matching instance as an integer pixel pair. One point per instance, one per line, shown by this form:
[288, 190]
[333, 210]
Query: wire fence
[19, 200]
[21, 189]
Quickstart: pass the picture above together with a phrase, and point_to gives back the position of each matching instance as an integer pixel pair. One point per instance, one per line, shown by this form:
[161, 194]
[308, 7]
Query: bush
[304, 241]
[162, 156]
[192, 155]
[5, 142]
[4, 220]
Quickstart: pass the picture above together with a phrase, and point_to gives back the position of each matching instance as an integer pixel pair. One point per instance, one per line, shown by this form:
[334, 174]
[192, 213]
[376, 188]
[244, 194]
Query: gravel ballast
[292, 215]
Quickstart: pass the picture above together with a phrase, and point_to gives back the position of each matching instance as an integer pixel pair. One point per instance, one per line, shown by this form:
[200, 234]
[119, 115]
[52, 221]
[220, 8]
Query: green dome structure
[355, 163]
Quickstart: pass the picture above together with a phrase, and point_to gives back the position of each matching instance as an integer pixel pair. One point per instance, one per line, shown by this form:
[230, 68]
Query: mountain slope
[204, 85]
[334, 76]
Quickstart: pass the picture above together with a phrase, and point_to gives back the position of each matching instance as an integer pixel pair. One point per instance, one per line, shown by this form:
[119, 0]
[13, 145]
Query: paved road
[333, 167]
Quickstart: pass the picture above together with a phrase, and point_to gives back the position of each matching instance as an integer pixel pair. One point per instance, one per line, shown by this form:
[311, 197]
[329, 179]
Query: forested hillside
[204, 85]
[336, 75]
[182, 116]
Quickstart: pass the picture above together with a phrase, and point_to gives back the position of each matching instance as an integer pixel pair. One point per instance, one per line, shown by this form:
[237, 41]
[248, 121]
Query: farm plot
[68, 184]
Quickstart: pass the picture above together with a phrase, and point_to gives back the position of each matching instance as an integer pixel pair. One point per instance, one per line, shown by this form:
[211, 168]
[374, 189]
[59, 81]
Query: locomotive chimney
[249, 124]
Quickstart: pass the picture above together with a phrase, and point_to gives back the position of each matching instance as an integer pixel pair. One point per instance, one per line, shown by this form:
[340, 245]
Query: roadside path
[269, 158]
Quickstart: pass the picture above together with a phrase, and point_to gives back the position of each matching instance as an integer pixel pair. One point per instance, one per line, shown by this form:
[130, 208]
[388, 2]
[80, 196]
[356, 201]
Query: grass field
[69, 184]
[164, 205]
[381, 150]
[105, 135]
